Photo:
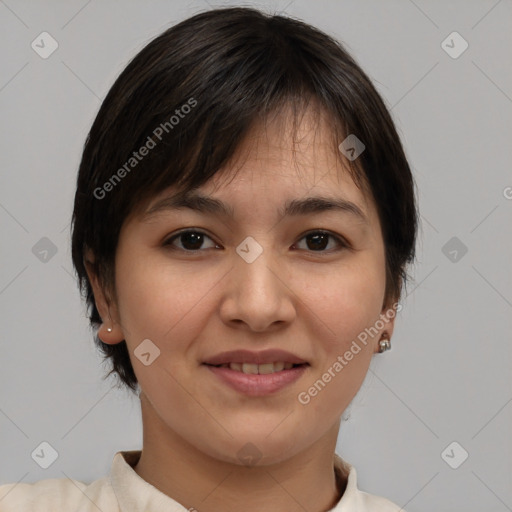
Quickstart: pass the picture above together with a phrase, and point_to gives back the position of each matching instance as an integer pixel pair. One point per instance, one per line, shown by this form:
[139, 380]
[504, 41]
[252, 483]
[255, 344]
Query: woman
[243, 220]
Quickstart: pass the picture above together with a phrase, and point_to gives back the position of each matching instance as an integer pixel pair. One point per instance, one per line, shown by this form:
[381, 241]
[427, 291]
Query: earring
[109, 329]
[384, 345]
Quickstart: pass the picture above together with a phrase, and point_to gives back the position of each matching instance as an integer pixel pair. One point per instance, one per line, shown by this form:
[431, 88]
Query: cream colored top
[125, 491]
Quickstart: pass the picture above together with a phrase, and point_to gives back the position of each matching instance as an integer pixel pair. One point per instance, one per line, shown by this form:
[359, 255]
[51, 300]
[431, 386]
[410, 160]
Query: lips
[261, 369]
[256, 358]
[257, 385]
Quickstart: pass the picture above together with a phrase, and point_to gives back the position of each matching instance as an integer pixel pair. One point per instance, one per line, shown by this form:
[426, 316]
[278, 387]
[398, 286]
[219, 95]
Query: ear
[388, 315]
[106, 308]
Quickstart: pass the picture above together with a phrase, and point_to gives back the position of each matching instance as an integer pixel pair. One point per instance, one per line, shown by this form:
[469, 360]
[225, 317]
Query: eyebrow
[296, 207]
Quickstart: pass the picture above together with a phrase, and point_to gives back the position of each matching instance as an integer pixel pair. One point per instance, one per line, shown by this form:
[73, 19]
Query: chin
[257, 449]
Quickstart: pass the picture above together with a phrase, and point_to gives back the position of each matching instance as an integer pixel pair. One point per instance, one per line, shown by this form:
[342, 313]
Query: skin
[311, 302]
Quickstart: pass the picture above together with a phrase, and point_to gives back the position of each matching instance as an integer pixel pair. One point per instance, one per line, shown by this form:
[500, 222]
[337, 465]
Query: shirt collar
[134, 494]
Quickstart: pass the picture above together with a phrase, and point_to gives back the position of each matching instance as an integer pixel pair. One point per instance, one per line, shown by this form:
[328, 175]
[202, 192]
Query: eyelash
[342, 243]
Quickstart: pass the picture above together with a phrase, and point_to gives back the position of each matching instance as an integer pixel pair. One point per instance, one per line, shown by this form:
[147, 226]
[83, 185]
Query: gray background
[447, 377]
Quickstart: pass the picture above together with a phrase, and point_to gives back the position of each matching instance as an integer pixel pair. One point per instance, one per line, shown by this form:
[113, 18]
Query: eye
[318, 240]
[192, 240]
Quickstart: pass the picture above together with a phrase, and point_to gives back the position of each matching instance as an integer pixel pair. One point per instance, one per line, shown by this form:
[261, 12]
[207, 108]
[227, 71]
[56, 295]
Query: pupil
[194, 239]
[316, 239]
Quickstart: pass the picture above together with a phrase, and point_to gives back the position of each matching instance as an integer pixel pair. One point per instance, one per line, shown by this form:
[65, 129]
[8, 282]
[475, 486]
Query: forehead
[289, 141]
[282, 161]
[293, 149]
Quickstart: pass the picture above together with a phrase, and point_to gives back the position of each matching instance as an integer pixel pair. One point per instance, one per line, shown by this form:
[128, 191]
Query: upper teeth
[262, 369]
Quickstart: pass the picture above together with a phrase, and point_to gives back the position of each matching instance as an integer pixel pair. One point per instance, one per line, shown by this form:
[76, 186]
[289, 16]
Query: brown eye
[191, 240]
[317, 241]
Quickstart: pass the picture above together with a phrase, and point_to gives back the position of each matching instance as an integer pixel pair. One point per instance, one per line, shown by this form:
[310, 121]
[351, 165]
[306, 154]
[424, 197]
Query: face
[307, 283]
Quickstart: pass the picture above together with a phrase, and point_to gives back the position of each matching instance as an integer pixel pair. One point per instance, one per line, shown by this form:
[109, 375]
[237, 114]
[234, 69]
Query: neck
[306, 481]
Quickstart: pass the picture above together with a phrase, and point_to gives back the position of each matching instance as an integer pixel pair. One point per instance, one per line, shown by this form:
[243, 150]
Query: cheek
[159, 301]
[350, 306]
[351, 300]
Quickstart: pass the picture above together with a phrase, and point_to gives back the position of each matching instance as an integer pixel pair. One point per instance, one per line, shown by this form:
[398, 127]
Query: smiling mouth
[258, 369]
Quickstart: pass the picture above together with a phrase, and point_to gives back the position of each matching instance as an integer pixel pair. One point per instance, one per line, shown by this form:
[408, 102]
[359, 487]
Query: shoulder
[58, 494]
[371, 503]
[356, 500]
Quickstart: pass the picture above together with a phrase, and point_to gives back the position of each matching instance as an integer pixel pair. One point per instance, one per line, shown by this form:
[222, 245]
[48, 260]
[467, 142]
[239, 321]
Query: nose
[258, 295]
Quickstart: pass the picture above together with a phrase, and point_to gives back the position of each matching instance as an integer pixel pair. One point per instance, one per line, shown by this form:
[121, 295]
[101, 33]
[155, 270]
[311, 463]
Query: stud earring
[384, 345]
[109, 329]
